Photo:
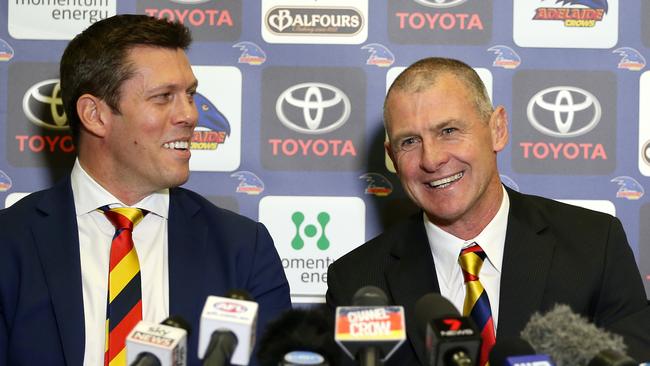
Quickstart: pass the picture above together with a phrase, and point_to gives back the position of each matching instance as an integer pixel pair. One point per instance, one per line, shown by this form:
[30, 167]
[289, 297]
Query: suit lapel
[526, 261]
[412, 276]
[57, 241]
[187, 248]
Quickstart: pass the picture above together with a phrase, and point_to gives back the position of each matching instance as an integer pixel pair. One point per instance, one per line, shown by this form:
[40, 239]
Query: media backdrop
[290, 99]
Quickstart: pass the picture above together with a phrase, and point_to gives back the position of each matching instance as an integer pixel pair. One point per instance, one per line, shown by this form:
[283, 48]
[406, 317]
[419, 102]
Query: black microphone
[451, 339]
[164, 344]
[227, 329]
[299, 337]
[514, 351]
[371, 330]
[572, 340]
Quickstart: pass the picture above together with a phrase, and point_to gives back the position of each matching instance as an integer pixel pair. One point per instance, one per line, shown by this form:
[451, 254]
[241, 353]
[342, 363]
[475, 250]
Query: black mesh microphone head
[432, 306]
[370, 296]
[178, 322]
[508, 347]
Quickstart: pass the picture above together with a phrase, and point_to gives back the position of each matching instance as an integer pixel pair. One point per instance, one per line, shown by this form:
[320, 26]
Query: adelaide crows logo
[628, 188]
[213, 127]
[251, 53]
[6, 52]
[249, 183]
[380, 56]
[574, 16]
[378, 185]
[506, 57]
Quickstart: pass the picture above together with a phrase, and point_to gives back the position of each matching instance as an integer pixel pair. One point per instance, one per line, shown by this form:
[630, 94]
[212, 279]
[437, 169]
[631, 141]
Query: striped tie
[477, 304]
[124, 309]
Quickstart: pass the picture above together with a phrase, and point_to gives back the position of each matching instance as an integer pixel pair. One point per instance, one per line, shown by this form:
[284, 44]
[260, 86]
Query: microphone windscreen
[309, 329]
[568, 338]
[370, 296]
[507, 347]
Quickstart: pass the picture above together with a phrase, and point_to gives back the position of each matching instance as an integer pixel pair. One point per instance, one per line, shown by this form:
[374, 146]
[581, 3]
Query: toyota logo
[43, 106]
[440, 3]
[565, 102]
[313, 99]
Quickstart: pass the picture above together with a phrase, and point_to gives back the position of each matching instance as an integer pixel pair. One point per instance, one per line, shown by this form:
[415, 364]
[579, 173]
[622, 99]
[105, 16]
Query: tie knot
[124, 218]
[471, 259]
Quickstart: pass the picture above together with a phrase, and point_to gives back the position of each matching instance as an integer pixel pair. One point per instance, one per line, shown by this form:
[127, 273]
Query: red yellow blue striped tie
[477, 304]
[124, 309]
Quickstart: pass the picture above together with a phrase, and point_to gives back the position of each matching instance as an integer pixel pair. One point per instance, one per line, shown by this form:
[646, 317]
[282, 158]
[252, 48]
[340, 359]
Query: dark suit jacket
[211, 251]
[554, 253]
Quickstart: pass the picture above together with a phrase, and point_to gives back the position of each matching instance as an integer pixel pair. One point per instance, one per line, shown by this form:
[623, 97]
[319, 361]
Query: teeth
[445, 182]
[176, 145]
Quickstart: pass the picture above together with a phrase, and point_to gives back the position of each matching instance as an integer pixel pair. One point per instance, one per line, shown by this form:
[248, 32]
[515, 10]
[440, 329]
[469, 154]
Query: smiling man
[496, 254]
[118, 241]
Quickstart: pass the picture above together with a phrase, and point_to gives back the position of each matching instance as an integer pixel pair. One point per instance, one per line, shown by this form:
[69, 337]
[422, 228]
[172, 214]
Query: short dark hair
[423, 74]
[95, 61]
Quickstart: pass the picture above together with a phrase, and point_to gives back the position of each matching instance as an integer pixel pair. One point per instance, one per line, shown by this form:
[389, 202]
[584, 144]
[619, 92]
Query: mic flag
[167, 343]
[364, 326]
[232, 315]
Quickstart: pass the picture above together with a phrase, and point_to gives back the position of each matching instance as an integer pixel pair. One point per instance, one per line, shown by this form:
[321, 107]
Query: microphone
[370, 330]
[451, 339]
[165, 344]
[571, 340]
[516, 352]
[227, 329]
[299, 337]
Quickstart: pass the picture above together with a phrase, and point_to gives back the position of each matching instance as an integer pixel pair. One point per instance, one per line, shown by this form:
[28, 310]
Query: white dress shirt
[446, 248]
[95, 236]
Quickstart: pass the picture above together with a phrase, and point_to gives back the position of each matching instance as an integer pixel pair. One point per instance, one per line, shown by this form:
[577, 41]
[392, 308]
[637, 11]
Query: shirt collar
[90, 195]
[446, 247]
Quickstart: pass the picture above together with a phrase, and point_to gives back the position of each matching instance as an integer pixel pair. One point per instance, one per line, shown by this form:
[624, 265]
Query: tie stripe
[124, 300]
[477, 304]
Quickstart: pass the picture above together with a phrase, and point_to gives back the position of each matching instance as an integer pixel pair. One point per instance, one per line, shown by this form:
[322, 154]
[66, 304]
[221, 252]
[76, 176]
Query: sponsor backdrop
[290, 99]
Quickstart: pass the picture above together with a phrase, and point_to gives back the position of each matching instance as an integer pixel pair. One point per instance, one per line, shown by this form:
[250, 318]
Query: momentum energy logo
[55, 19]
[217, 20]
[440, 21]
[565, 23]
[328, 21]
[570, 125]
[314, 118]
[216, 142]
[309, 234]
[37, 128]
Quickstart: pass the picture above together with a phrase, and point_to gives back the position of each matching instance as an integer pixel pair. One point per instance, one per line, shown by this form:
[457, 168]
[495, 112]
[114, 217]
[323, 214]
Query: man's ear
[94, 114]
[389, 151]
[499, 128]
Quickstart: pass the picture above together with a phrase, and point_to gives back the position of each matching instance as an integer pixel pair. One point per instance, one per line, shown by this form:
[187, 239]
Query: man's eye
[408, 143]
[448, 130]
[164, 96]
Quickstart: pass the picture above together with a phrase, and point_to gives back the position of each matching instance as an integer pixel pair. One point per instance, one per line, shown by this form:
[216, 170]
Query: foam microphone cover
[569, 338]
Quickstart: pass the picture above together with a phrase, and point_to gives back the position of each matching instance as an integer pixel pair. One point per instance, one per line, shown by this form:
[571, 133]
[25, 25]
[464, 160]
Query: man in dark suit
[443, 139]
[128, 92]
